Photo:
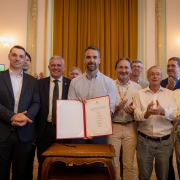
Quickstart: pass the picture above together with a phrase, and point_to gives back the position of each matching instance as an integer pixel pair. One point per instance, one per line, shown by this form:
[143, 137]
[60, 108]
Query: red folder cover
[79, 120]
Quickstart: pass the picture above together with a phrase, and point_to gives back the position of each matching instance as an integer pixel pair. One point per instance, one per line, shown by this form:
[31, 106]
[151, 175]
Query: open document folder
[78, 120]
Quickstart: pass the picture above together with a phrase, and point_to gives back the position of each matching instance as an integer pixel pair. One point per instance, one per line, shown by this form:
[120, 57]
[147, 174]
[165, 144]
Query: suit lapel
[8, 82]
[64, 89]
[24, 84]
[177, 86]
[46, 88]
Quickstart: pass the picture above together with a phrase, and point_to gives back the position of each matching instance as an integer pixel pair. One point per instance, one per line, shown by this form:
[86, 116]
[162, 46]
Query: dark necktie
[55, 97]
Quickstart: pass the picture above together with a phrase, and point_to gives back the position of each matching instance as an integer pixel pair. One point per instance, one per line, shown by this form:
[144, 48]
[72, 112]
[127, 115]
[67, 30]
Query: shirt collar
[123, 84]
[95, 76]
[147, 89]
[12, 73]
[52, 79]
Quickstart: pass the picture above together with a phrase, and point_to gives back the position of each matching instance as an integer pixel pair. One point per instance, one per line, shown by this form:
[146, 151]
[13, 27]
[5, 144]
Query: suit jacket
[143, 83]
[44, 86]
[164, 83]
[29, 101]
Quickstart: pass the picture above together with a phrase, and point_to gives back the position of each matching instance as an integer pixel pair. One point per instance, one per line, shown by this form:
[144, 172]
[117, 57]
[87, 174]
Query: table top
[80, 150]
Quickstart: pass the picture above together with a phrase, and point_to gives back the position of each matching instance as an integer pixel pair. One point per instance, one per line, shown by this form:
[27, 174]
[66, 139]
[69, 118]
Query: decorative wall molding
[158, 30]
[33, 35]
[142, 35]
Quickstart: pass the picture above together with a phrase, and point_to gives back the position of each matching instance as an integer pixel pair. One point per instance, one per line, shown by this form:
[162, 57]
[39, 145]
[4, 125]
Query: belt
[52, 123]
[124, 123]
[154, 138]
[14, 128]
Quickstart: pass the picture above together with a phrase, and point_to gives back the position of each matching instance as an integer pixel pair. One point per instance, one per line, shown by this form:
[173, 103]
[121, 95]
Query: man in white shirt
[153, 108]
[92, 84]
[177, 130]
[124, 126]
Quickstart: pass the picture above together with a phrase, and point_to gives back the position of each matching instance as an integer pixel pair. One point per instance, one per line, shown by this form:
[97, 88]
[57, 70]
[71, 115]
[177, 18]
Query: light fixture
[6, 41]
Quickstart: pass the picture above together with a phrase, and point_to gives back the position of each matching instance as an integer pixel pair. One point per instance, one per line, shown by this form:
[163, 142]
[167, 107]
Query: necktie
[55, 97]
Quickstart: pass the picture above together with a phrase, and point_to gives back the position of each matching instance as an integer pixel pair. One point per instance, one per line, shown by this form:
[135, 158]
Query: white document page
[69, 123]
[98, 117]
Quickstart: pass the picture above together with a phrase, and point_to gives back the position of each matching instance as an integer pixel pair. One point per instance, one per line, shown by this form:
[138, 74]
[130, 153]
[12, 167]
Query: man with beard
[137, 68]
[124, 126]
[172, 83]
[92, 84]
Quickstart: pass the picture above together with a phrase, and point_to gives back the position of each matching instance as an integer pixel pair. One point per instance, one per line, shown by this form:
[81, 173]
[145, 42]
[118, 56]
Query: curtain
[111, 25]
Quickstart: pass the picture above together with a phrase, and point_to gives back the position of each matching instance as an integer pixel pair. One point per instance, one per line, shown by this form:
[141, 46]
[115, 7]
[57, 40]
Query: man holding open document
[92, 84]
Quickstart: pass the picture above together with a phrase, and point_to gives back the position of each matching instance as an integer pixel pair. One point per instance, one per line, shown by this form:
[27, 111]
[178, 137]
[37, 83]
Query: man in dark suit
[172, 82]
[19, 104]
[46, 126]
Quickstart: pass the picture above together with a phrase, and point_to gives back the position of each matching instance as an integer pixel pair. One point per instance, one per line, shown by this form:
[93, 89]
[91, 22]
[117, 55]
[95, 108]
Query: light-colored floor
[153, 177]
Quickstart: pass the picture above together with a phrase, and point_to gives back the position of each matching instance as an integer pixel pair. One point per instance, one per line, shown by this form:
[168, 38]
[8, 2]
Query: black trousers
[30, 164]
[16, 151]
[48, 138]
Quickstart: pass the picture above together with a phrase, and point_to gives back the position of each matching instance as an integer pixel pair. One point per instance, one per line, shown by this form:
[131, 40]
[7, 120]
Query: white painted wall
[13, 23]
[173, 28]
[40, 36]
[150, 33]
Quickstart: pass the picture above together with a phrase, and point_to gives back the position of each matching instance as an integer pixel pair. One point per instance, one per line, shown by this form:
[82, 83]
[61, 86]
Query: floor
[153, 177]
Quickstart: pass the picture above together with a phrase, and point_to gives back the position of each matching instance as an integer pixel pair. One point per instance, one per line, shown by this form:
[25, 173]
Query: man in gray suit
[19, 104]
[137, 68]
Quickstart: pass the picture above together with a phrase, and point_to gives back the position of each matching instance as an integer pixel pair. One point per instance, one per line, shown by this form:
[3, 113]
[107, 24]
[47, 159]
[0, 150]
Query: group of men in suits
[24, 99]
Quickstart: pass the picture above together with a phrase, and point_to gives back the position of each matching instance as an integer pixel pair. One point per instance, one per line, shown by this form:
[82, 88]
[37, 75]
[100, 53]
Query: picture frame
[2, 67]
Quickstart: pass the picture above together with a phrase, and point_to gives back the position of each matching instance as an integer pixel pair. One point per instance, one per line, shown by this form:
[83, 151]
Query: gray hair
[73, 68]
[157, 67]
[137, 61]
[57, 57]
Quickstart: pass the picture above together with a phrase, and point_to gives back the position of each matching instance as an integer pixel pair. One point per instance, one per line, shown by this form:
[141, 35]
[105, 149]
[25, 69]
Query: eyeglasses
[155, 74]
[139, 67]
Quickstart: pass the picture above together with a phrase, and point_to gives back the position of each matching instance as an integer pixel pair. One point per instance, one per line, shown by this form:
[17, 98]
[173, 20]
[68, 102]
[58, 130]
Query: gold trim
[45, 37]
[33, 35]
[158, 32]
[142, 34]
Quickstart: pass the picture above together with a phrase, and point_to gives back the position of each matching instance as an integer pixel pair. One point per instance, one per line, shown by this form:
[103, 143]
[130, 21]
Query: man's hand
[158, 110]
[121, 105]
[83, 100]
[20, 119]
[129, 109]
[40, 76]
[148, 111]
[170, 84]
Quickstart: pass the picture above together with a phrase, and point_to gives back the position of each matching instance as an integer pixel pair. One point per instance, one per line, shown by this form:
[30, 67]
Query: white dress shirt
[16, 82]
[52, 84]
[99, 85]
[122, 116]
[154, 125]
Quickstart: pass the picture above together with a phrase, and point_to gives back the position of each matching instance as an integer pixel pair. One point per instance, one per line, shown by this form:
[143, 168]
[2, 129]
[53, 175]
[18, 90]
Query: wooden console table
[79, 154]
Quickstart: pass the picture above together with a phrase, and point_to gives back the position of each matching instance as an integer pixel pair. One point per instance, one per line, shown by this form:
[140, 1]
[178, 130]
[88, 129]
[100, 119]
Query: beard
[91, 68]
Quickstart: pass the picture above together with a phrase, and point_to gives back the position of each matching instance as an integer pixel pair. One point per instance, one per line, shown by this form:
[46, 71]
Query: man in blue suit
[19, 104]
[172, 82]
[46, 127]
